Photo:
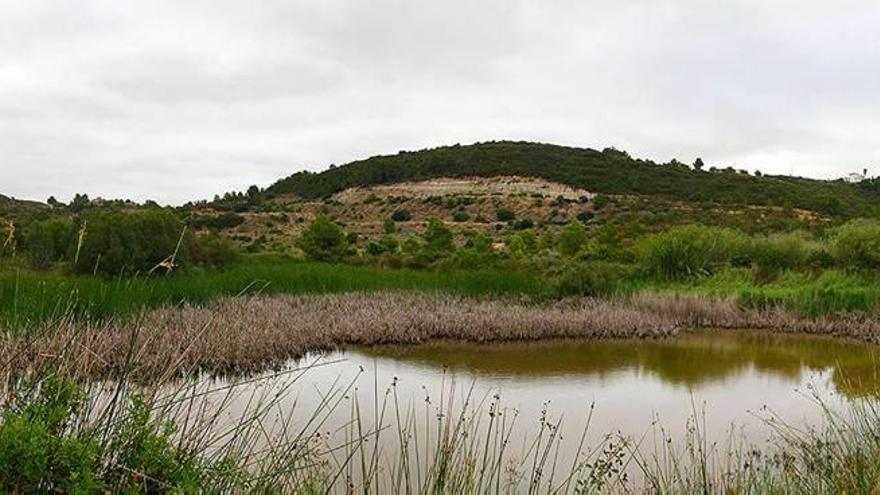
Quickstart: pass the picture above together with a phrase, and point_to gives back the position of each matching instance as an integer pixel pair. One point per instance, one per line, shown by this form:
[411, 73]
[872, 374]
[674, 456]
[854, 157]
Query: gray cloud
[180, 100]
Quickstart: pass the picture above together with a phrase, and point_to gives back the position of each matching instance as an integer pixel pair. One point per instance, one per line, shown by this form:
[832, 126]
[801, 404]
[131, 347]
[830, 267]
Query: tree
[80, 202]
[698, 164]
[324, 240]
[117, 242]
[572, 238]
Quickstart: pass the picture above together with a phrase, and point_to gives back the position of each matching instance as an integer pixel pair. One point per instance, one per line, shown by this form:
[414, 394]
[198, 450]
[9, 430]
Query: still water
[732, 382]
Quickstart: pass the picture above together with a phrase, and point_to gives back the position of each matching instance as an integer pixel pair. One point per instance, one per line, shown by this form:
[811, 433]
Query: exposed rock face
[471, 186]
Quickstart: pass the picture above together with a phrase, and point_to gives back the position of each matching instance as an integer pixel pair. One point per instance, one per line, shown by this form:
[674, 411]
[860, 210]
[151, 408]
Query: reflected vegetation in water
[693, 359]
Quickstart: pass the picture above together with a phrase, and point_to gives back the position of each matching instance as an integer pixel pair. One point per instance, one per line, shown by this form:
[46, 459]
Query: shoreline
[252, 334]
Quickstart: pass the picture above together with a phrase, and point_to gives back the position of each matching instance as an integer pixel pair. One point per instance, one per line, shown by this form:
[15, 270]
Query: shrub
[222, 221]
[505, 214]
[595, 278]
[689, 250]
[460, 216]
[522, 244]
[571, 238]
[438, 237]
[856, 244]
[213, 251]
[782, 251]
[36, 454]
[48, 241]
[401, 216]
[323, 240]
[477, 252]
[45, 448]
[585, 216]
[523, 224]
[119, 243]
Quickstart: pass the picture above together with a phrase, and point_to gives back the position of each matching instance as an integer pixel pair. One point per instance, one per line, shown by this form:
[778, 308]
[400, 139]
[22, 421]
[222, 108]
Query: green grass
[28, 297]
[805, 294]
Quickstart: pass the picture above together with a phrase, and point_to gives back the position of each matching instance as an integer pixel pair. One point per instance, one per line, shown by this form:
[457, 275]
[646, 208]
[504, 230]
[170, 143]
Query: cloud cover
[176, 101]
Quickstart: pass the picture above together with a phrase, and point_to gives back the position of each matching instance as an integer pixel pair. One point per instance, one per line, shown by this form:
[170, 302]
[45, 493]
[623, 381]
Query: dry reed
[251, 334]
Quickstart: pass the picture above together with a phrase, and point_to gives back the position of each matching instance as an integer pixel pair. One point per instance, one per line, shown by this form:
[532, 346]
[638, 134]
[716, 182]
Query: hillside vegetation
[609, 171]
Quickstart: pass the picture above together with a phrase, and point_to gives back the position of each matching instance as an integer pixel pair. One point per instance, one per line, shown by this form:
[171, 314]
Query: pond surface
[731, 381]
[734, 377]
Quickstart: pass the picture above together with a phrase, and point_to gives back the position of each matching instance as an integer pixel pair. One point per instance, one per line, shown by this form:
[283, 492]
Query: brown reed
[252, 334]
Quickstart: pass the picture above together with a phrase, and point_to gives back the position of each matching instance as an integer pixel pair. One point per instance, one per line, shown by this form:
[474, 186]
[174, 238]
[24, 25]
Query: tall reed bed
[251, 334]
[255, 333]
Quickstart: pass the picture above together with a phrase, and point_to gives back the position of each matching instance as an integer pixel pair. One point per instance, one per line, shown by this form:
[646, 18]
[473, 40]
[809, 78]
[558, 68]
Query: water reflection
[692, 360]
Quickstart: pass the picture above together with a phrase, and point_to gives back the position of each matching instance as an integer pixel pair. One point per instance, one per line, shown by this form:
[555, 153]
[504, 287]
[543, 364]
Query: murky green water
[694, 361]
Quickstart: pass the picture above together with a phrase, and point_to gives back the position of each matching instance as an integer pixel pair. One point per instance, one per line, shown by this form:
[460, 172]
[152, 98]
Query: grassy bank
[805, 294]
[28, 297]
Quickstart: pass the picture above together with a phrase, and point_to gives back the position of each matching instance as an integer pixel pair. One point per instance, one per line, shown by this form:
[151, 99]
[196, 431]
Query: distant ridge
[609, 171]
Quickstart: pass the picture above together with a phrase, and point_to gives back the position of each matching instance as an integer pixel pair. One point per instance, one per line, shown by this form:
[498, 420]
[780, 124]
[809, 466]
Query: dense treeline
[608, 171]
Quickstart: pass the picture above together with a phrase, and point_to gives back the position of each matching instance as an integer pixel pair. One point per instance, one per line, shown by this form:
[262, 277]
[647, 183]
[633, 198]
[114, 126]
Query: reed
[255, 333]
[250, 334]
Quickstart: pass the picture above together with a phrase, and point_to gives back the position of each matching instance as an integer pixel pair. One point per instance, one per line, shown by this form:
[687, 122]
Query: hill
[12, 207]
[608, 171]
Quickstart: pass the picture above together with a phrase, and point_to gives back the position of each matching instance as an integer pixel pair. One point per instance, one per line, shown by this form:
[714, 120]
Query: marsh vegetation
[175, 349]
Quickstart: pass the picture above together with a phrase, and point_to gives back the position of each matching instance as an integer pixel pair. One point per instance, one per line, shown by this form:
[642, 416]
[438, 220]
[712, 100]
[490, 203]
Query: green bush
[460, 216]
[212, 251]
[856, 244]
[782, 251]
[522, 244]
[401, 216]
[48, 241]
[477, 252]
[324, 240]
[505, 215]
[45, 447]
[388, 244]
[595, 278]
[690, 250]
[571, 238]
[523, 224]
[37, 454]
[121, 243]
[438, 237]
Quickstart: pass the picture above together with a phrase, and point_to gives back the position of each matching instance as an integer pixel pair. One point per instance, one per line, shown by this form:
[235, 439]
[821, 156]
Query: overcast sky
[179, 100]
